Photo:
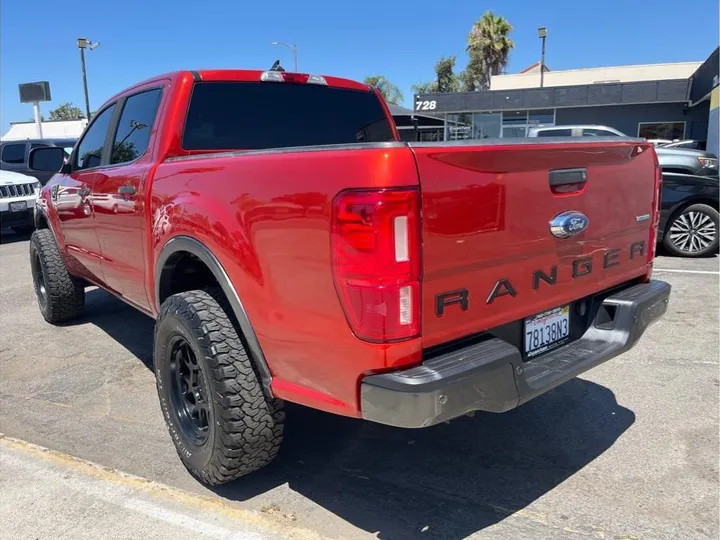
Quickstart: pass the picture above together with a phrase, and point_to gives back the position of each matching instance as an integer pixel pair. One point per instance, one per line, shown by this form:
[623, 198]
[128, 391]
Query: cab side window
[90, 149]
[136, 123]
[13, 153]
[555, 133]
[591, 132]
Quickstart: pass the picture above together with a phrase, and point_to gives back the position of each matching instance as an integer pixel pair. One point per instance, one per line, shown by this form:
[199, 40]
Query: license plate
[18, 206]
[547, 330]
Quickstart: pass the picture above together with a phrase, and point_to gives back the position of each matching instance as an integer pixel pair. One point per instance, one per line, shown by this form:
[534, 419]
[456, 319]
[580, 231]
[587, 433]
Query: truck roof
[236, 75]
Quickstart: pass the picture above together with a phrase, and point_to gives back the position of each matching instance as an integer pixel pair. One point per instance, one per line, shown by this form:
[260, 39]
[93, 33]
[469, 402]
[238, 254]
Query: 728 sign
[425, 105]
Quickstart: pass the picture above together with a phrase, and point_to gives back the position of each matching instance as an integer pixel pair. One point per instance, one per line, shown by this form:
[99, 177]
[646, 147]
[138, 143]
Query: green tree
[66, 111]
[445, 78]
[389, 91]
[488, 48]
[424, 88]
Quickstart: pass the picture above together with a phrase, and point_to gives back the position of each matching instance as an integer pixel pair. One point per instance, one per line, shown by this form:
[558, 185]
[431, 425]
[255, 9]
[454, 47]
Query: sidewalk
[49, 495]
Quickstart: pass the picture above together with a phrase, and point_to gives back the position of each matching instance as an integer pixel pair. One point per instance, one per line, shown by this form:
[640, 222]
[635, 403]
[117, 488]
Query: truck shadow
[447, 481]
[126, 325]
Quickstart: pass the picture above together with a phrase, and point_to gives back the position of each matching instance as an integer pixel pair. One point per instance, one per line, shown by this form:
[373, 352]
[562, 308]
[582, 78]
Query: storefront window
[515, 131]
[662, 130]
[430, 135]
[514, 118]
[486, 125]
[545, 117]
[458, 127]
[489, 125]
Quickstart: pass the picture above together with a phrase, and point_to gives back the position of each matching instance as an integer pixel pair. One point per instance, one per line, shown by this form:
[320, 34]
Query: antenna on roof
[277, 67]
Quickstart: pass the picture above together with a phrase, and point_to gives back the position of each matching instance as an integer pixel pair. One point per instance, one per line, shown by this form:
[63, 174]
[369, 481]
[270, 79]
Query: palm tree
[489, 47]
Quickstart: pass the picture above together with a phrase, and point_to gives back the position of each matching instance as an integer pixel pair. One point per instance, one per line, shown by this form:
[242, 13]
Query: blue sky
[400, 40]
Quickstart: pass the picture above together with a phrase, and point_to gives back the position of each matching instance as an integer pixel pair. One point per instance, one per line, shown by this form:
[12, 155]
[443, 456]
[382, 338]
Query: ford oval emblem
[569, 224]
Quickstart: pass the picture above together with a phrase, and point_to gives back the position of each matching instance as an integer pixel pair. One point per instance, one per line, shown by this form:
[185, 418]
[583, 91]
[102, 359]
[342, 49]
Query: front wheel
[693, 232]
[60, 296]
[220, 420]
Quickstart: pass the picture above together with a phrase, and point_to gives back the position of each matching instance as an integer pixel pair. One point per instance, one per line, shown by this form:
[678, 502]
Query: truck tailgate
[489, 257]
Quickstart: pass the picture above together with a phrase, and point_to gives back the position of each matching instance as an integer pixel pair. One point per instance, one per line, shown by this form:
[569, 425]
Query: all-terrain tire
[244, 427]
[699, 220]
[60, 296]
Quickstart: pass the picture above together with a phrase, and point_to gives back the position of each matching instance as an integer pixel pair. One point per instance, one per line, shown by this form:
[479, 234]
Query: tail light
[376, 262]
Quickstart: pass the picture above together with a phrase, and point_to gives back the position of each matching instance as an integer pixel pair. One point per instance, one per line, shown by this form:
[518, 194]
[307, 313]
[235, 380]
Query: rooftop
[51, 129]
[530, 77]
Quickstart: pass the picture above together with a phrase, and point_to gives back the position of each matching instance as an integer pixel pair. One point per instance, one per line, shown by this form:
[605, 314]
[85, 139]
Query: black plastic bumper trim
[492, 376]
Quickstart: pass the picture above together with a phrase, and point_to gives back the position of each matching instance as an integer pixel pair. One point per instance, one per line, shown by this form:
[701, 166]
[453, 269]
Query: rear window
[555, 133]
[249, 116]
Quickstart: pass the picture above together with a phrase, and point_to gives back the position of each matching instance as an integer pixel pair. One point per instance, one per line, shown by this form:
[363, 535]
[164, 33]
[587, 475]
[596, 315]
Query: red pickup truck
[290, 247]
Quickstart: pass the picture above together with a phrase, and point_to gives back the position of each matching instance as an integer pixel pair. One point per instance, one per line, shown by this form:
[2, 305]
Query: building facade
[650, 101]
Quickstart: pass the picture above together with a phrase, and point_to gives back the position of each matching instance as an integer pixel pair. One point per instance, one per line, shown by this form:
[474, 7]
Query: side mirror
[47, 158]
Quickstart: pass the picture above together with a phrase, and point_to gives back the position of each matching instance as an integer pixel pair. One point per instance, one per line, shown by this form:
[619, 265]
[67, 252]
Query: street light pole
[293, 48]
[82, 44]
[542, 34]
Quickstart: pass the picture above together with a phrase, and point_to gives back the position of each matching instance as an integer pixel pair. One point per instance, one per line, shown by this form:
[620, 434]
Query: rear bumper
[492, 376]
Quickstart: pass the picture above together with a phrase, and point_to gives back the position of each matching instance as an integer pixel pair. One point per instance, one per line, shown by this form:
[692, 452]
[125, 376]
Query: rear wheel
[693, 232]
[60, 296]
[222, 423]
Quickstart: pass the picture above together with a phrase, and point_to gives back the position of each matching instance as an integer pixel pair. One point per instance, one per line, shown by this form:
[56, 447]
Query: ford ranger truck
[291, 248]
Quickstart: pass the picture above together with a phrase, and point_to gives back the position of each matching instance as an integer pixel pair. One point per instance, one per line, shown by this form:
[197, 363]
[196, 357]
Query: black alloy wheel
[189, 393]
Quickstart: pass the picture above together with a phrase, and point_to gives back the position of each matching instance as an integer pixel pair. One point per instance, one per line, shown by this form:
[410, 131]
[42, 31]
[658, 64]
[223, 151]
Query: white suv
[18, 193]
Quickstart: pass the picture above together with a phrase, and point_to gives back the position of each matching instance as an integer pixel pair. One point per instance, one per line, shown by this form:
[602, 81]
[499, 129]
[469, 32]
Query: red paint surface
[267, 218]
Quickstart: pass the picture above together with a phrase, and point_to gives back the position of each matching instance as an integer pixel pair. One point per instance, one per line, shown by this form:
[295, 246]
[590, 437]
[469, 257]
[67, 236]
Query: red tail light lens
[376, 262]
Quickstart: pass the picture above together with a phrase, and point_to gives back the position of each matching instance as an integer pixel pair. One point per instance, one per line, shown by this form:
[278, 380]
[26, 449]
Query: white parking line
[673, 271]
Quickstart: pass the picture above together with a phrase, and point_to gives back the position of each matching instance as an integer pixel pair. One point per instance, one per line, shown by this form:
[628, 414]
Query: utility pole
[38, 123]
[542, 34]
[82, 44]
[293, 48]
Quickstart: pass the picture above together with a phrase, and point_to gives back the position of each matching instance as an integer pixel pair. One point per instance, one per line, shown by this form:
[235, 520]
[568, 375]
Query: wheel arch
[40, 219]
[180, 244]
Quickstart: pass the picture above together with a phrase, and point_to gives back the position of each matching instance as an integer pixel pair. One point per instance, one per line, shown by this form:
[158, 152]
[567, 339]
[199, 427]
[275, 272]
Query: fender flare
[202, 252]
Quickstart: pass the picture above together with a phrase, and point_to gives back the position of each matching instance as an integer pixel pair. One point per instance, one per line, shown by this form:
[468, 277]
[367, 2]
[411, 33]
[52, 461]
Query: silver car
[677, 160]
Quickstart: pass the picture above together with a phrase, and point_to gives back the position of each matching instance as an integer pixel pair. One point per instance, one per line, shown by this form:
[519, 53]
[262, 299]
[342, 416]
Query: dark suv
[14, 155]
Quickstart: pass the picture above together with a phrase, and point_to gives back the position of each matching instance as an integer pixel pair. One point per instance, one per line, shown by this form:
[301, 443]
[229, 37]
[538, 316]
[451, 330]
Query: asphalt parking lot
[630, 450]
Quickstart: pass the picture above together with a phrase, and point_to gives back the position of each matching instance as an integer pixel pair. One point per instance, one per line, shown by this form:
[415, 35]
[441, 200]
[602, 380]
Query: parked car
[291, 247]
[689, 214]
[678, 160]
[659, 142]
[17, 201]
[14, 155]
[688, 145]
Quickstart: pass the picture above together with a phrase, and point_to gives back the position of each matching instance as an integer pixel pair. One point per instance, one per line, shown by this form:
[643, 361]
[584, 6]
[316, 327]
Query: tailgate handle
[563, 177]
[568, 180]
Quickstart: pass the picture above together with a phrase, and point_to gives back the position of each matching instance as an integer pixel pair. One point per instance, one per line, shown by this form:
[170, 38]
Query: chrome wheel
[693, 232]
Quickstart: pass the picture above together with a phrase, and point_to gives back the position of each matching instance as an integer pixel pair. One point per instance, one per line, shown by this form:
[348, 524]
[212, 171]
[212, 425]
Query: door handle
[127, 191]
